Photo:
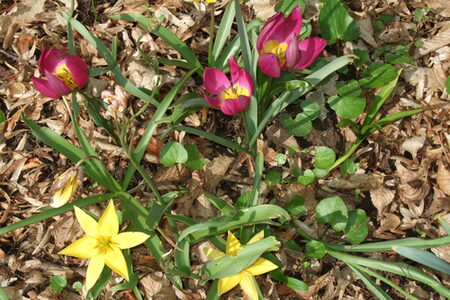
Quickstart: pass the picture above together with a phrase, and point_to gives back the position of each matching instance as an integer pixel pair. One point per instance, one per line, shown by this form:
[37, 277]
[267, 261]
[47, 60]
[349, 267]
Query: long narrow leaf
[423, 257]
[224, 31]
[376, 290]
[151, 127]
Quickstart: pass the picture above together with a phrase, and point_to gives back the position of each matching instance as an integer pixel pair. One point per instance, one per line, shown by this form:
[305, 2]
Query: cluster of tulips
[279, 49]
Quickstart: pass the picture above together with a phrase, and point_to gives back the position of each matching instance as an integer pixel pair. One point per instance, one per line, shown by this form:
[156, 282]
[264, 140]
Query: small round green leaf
[194, 161]
[357, 229]
[273, 178]
[58, 283]
[325, 157]
[332, 210]
[315, 249]
[77, 286]
[347, 107]
[172, 153]
[307, 177]
[296, 206]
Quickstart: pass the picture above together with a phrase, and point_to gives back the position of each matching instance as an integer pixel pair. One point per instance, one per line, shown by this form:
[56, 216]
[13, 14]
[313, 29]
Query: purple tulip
[279, 48]
[64, 73]
[230, 98]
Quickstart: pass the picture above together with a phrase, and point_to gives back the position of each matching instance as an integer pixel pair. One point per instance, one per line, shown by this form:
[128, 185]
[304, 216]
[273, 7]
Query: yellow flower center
[276, 48]
[104, 244]
[63, 74]
[234, 92]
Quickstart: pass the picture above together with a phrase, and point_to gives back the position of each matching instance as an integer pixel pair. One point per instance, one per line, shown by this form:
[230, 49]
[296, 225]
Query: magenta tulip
[230, 97]
[64, 73]
[279, 48]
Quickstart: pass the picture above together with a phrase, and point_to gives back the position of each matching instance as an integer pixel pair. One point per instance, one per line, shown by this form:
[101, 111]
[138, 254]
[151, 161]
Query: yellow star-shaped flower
[103, 244]
[244, 278]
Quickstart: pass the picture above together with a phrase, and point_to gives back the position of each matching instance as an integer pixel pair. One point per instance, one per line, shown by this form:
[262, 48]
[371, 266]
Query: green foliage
[315, 249]
[291, 282]
[2, 116]
[296, 206]
[423, 257]
[363, 57]
[307, 177]
[332, 210]
[349, 167]
[172, 153]
[336, 23]
[325, 157]
[58, 283]
[77, 286]
[357, 229]
[347, 107]
[194, 160]
[447, 85]
[286, 6]
[377, 75]
[302, 124]
[273, 178]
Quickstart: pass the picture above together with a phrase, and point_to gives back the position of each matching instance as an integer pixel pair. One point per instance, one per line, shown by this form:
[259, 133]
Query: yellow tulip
[103, 244]
[244, 278]
[65, 187]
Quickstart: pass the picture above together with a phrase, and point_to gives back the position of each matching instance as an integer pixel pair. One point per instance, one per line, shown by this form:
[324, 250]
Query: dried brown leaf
[443, 178]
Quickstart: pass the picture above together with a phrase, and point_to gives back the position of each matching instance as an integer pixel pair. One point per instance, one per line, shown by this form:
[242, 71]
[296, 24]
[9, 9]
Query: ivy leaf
[336, 23]
[172, 153]
[332, 210]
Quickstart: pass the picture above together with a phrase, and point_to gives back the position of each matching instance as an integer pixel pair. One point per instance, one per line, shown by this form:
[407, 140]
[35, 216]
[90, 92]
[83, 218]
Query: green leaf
[423, 257]
[194, 161]
[296, 206]
[223, 33]
[3, 295]
[445, 224]
[77, 286]
[357, 229]
[301, 126]
[363, 57]
[2, 116]
[348, 167]
[349, 89]
[378, 74]
[347, 107]
[291, 282]
[273, 178]
[286, 6]
[172, 153]
[320, 173]
[332, 210]
[325, 157]
[58, 283]
[315, 249]
[376, 290]
[307, 177]
[336, 23]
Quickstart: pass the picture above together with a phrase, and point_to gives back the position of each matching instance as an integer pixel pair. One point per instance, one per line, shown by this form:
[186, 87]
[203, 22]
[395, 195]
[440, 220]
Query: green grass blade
[387, 245]
[225, 208]
[212, 137]
[380, 98]
[262, 214]
[223, 32]
[423, 257]
[3, 295]
[51, 212]
[376, 290]
[259, 166]
[396, 268]
[148, 133]
[445, 224]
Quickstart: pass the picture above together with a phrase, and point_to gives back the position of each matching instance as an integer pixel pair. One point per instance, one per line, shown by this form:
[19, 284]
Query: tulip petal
[215, 81]
[52, 59]
[115, 260]
[126, 240]
[292, 54]
[281, 29]
[269, 65]
[233, 244]
[233, 106]
[213, 101]
[87, 223]
[212, 253]
[85, 247]
[57, 85]
[108, 225]
[94, 269]
[78, 69]
[257, 237]
[240, 75]
[43, 86]
[310, 48]
[42, 59]
[248, 284]
[227, 283]
[261, 266]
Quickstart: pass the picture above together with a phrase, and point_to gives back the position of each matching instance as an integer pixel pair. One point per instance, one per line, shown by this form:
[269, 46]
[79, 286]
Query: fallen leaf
[443, 178]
